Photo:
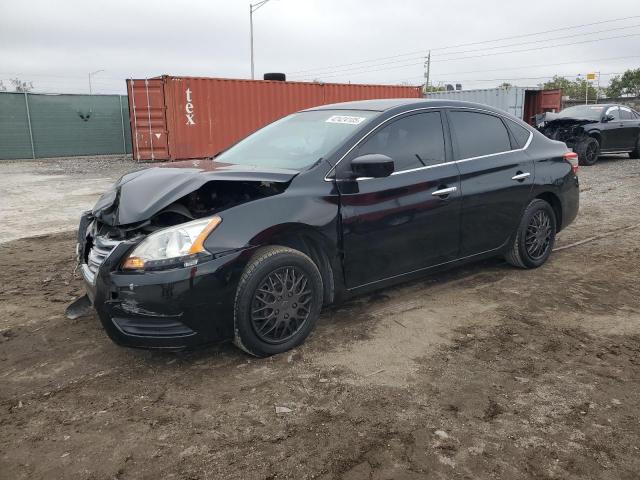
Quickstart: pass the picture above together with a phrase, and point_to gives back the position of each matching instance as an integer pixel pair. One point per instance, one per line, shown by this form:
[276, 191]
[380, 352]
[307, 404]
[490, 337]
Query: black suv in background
[591, 130]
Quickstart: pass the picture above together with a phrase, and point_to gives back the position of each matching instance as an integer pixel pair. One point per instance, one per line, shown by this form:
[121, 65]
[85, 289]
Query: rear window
[478, 134]
[520, 133]
[626, 114]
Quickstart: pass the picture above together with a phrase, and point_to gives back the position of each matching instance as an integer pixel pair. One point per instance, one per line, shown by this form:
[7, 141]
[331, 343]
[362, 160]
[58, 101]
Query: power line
[544, 65]
[547, 39]
[476, 50]
[542, 47]
[573, 27]
[527, 67]
[422, 58]
[338, 74]
[564, 75]
[414, 60]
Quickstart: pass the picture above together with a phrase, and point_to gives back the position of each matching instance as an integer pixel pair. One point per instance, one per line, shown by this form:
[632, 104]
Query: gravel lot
[483, 372]
[29, 188]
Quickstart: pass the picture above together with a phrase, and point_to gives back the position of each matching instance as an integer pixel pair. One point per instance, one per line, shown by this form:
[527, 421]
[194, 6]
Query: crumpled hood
[548, 118]
[139, 195]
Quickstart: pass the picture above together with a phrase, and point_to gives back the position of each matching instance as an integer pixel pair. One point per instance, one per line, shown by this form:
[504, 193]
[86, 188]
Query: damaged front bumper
[173, 309]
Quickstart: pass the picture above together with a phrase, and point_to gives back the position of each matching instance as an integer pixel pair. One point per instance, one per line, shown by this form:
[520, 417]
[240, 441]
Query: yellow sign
[591, 76]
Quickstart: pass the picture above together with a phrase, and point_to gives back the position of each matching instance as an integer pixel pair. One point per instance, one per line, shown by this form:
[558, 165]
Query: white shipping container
[510, 100]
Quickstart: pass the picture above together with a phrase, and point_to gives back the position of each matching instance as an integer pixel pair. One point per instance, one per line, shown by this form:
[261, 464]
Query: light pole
[92, 73]
[252, 8]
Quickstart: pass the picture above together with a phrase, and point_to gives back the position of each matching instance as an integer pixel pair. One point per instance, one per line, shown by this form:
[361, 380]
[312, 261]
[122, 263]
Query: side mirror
[608, 118]
[374, 165]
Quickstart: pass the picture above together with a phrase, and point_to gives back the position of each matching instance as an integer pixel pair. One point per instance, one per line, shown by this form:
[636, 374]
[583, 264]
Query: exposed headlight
[174, 246]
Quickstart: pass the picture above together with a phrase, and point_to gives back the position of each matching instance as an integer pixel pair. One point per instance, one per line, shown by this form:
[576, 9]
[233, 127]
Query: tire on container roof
[280, 77]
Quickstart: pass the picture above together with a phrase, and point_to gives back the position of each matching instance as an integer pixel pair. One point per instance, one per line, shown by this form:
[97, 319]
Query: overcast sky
[56, 43]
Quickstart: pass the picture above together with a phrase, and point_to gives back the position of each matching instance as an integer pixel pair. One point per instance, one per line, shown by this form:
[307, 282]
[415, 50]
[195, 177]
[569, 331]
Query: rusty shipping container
[176, 118]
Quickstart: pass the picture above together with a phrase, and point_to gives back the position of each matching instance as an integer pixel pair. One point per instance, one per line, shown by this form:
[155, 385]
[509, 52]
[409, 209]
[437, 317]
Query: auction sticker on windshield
[345, 119]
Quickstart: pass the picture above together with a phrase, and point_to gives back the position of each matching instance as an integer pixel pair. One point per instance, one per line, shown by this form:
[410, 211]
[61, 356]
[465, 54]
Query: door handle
[520, 176]
[444, 191]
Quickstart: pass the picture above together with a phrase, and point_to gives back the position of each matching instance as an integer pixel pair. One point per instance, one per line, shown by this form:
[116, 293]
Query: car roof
[385, 104]
[603, 105]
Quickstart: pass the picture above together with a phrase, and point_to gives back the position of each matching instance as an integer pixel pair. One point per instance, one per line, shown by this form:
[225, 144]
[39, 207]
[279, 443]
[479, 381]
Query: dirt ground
[483, 372]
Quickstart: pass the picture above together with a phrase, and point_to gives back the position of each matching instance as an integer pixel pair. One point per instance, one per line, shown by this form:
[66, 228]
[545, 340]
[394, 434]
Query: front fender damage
[565, 129]
[148, 200]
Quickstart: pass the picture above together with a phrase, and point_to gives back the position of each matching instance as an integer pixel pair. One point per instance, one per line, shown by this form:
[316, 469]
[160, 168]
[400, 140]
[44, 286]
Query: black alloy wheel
[588, 150]
[533, 242]
[591, 152]
[281, 305]
[538, 237]
[278, 301]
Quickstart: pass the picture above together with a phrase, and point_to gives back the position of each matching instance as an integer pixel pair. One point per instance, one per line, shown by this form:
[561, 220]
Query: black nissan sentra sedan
[318, 206]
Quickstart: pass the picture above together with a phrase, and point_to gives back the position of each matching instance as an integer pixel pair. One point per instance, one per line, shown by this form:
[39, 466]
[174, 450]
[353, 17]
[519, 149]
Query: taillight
[572, 158]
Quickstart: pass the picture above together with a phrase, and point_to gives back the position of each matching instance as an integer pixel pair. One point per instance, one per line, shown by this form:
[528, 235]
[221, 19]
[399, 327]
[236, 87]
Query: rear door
[409, 220]
[630, 127]
[496, 176]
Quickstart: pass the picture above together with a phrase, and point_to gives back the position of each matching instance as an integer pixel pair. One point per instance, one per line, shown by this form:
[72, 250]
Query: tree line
[625, 85]
[17, 85]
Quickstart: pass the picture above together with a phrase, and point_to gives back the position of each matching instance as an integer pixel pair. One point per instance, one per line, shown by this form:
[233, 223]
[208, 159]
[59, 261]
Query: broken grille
[98, 253]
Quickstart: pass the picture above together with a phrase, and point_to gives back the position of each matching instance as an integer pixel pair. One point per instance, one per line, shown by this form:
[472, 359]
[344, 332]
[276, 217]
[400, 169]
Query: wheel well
[554, 201]
[315, 247]
[596, 135]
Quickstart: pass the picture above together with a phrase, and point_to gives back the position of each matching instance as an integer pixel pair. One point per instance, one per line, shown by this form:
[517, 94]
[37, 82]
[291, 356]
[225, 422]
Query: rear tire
[533, 241]
[588, 150]
[278, 301]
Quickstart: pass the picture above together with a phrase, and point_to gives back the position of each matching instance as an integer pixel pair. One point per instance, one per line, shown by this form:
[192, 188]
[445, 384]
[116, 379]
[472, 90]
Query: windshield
[297, 141]
[587, 112]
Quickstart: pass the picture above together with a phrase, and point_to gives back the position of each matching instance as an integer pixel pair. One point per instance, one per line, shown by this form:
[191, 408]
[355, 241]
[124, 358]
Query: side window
[626, 114]
[478, 134]
[615, 112]
[412, 142]
[520, 133]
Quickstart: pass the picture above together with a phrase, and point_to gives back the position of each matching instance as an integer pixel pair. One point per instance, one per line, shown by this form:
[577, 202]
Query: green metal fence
[44, 125]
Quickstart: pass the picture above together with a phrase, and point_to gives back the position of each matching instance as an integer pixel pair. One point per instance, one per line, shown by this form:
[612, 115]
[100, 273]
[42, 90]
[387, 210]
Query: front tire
[278, 301]
[533, 241]
[588, 150]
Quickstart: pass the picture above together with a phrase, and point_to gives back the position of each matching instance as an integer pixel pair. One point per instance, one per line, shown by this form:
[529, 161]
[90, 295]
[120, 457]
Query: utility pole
[427, 71]
[252, 8]
[93, 73]
[251, 37]
[586, 92]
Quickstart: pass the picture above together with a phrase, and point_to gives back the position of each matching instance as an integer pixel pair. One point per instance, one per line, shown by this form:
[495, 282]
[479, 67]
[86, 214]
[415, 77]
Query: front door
[496, 176]
[612, 131]
[409, 220]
